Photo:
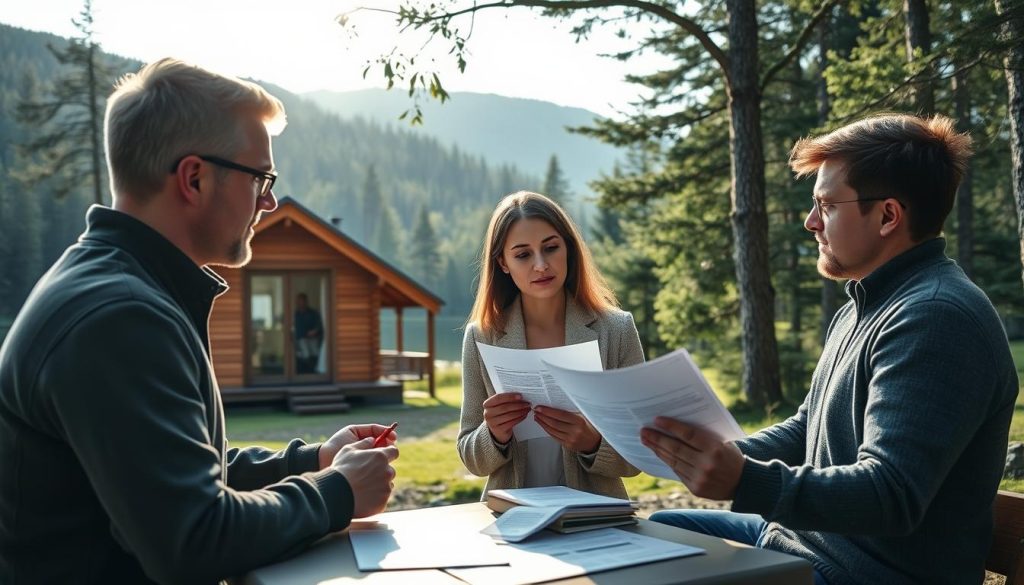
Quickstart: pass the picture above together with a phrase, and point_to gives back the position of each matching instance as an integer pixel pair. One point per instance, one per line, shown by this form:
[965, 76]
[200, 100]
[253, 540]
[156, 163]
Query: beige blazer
[599, 473]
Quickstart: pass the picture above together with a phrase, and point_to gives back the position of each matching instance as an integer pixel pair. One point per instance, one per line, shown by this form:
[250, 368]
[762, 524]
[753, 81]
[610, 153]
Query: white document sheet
[523, 371]
[555, 495]
[378, 547]
[557, 556]
[520, 522]
[621, 402]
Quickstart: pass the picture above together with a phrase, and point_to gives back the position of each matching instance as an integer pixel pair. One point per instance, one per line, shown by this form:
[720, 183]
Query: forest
[419, 204]
[700, 226]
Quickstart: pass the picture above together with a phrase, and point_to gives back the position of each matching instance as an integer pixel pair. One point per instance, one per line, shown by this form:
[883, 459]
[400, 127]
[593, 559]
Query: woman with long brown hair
[539, 288]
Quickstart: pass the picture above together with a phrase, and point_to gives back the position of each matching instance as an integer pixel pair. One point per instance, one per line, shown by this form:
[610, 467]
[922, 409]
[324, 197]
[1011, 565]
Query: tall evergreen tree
[22, 246]
[625, 261]
[730, 42]
[371, 204]
[919, 46]
[456, 287]
[1013, 35]
[425, 261]
[389, 236]
[556, 186]
[70, 148]
[6, 251]
[965, 193]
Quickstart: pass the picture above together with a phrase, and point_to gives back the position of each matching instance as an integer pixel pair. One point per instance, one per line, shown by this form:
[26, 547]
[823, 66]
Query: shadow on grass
[753, 418]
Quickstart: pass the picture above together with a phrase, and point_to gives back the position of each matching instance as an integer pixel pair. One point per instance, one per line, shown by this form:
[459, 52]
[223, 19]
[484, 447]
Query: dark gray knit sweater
[114, 466]
[887, 472]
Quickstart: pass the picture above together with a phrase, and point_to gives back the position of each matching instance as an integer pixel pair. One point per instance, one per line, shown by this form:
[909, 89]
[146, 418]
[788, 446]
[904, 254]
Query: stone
[1014, 461]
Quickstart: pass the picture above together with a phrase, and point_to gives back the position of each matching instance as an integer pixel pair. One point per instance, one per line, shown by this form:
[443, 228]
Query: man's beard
[829, 267]
[239, 252]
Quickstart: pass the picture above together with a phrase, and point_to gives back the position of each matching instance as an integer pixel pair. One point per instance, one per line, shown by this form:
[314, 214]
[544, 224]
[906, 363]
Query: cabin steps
[317, 403]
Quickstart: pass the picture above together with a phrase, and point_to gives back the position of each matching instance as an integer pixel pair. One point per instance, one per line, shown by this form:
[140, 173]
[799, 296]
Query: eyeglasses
[265, 179]
[819, 205]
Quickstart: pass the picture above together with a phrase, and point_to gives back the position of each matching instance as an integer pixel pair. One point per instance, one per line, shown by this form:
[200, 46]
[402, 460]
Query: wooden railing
[406, 365]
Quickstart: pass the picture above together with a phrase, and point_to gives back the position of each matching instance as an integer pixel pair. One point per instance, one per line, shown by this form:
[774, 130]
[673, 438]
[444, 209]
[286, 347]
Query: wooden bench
[404, 366]
[1007, 537]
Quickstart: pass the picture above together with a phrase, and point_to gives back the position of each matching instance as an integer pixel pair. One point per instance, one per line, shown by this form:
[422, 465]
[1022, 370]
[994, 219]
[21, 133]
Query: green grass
[1017, 424]
[428, 428]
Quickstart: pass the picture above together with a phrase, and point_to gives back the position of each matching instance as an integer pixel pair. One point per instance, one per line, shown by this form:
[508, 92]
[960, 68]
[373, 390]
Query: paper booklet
[526, 511]
[621, 402]
[522, 371]
[556, 495]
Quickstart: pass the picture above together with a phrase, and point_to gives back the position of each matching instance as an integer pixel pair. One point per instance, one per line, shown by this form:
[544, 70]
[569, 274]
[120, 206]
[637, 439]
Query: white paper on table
[555, 495]
[621, 402]
[520, 522]
[379, 548]
[558, 556]
[523, 371]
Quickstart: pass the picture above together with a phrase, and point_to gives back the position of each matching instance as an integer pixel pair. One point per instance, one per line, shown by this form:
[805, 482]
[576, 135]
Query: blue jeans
[745, 528]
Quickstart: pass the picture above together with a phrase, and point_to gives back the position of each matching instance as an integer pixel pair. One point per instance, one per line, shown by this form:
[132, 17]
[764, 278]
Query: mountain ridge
[531, 130]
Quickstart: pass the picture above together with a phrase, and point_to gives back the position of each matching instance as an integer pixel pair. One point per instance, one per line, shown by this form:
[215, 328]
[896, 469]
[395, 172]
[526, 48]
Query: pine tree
[371, 205]
[424, 251]
[389, 236]
[21, 247]
[555, 184]
[1013, 33]
[6, 251]
[70, 147]
[628, 266]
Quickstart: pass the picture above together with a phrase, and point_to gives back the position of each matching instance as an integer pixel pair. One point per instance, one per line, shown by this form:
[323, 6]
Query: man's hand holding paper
[709, 466]
[619, 403]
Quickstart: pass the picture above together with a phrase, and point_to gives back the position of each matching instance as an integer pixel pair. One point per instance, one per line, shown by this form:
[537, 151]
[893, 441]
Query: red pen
[382, 439]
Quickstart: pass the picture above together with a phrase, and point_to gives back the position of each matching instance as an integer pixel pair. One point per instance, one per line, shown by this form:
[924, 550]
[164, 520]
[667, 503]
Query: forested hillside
[386, 184]
[517, 131]
[676, 234]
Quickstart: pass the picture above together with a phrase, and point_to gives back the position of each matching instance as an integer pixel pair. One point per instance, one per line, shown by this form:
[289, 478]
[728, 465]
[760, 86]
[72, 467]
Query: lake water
[448, 331]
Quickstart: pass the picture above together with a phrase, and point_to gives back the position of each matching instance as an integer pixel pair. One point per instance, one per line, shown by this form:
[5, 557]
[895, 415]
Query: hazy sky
[299, 46]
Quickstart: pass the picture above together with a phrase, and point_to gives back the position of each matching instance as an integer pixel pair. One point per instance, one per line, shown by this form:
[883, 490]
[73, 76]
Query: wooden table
[331, 561]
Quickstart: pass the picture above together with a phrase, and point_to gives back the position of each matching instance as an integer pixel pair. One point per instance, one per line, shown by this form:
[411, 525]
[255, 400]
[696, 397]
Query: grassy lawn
[428, 428]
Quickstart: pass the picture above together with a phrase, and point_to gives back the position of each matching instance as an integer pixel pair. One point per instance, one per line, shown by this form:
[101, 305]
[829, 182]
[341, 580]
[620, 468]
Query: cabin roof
[397, 288]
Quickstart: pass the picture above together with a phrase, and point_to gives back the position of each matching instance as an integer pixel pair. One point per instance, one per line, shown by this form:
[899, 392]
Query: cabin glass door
[289, 333]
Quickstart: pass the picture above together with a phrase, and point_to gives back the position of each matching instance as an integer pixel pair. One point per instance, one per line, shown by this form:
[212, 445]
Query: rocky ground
[409, 497]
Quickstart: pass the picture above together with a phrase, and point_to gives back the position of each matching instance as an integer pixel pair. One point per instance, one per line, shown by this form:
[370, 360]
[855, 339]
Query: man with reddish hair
[888, 470]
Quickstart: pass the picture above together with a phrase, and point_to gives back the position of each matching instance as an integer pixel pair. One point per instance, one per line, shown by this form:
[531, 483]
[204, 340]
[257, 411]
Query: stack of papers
[527, 511]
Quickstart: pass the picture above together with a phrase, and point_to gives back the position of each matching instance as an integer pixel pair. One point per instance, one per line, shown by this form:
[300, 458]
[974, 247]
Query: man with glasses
[115, 466]
[888, 470]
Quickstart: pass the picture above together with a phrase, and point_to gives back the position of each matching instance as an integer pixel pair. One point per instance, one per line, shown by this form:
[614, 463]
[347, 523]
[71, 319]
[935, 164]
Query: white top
[544, 463]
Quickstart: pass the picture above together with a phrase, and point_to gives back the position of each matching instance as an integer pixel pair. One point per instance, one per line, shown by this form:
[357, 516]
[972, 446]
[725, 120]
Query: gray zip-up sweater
[114, 467]
[887, 472]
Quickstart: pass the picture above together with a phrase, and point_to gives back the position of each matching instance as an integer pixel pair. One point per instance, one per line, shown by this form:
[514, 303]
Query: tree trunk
[796, 324]
[94, 127]
[965, 194]
[749, 216]
[918, 36]
[828, 286]
[1013, 65]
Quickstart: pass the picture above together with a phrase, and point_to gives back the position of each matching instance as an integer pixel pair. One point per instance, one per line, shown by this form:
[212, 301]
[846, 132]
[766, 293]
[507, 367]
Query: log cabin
[300, 325]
